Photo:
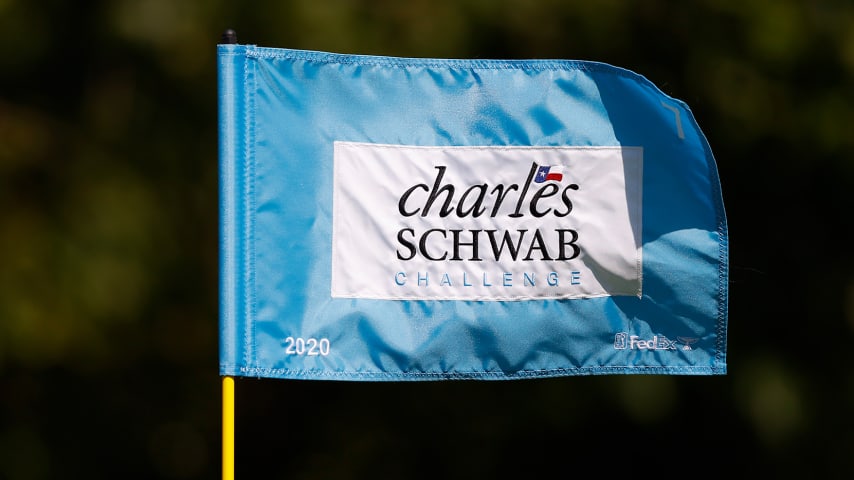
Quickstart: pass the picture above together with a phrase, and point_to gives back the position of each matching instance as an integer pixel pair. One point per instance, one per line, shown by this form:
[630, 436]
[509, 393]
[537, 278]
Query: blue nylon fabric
[280, 112]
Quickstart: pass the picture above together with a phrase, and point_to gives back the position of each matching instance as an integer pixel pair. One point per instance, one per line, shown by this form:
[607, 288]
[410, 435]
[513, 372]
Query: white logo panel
[486, 223]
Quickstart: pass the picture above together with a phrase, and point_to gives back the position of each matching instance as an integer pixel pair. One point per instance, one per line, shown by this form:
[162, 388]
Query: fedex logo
[623, 340]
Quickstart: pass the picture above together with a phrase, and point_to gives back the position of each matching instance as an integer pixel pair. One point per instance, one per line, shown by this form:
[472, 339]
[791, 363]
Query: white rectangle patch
[486, 223]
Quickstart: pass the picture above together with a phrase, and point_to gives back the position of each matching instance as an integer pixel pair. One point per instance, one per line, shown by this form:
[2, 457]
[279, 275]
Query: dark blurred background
[108, 249]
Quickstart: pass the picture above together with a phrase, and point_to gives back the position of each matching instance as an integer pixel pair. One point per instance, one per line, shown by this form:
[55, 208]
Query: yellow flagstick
[227, 428]
[228, 37]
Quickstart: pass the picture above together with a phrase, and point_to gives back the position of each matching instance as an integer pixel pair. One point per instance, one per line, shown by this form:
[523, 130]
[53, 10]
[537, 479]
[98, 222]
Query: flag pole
[229, 36]
[227, 428]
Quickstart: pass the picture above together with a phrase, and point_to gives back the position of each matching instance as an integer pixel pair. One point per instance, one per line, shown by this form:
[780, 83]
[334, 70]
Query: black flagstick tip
[229, 36]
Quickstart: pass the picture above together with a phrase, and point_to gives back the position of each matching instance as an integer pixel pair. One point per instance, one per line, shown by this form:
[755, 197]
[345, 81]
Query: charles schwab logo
[472, 201]
[486, 223]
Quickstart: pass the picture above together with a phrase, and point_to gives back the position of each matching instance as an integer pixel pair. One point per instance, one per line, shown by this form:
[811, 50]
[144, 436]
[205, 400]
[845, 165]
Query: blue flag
[392, 219]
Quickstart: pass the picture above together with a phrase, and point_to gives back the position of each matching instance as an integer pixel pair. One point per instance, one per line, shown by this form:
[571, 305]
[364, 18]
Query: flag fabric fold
[391, 219]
